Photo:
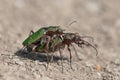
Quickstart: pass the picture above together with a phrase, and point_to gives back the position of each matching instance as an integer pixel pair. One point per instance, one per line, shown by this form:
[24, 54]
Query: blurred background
[97, 18]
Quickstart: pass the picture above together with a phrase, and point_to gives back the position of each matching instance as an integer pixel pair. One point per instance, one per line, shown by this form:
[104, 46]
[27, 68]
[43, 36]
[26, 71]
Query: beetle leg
[89, 37]
[47, 49]
[70, 57]
[47, 61]
[23, 49]
[76, 52]
[52, 53]
[61, 58]
[51, 59]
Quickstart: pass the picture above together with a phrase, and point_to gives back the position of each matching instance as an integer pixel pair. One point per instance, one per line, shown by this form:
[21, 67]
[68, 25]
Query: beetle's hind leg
[23, 49]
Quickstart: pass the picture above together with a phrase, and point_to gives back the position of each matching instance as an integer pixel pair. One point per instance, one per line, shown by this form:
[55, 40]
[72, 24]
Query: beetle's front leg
[76, 52]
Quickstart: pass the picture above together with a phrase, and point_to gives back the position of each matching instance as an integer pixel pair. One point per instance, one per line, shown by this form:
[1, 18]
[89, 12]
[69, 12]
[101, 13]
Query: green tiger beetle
[52, 38]
[40, 40]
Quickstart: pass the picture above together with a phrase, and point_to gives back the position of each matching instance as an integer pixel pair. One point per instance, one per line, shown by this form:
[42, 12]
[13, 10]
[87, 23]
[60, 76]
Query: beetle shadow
[37, 56]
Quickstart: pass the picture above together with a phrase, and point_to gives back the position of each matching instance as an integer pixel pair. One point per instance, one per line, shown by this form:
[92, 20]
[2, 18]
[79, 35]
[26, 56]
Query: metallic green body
[34, 37]
[54, 28]
[38, 34]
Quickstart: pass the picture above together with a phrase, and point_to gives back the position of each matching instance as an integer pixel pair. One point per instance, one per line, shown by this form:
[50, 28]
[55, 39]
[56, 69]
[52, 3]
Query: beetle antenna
[71, 23]
[92, 47]
[92, 39]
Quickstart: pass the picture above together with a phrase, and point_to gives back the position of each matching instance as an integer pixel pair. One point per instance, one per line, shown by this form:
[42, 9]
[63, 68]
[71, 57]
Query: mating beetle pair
[51, 39]
[41, 37]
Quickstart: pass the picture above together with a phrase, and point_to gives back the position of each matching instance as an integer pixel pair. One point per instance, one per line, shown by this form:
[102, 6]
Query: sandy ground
[97, 18]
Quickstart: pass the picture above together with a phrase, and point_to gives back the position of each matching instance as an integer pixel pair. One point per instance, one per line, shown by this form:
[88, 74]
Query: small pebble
[99, 67]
